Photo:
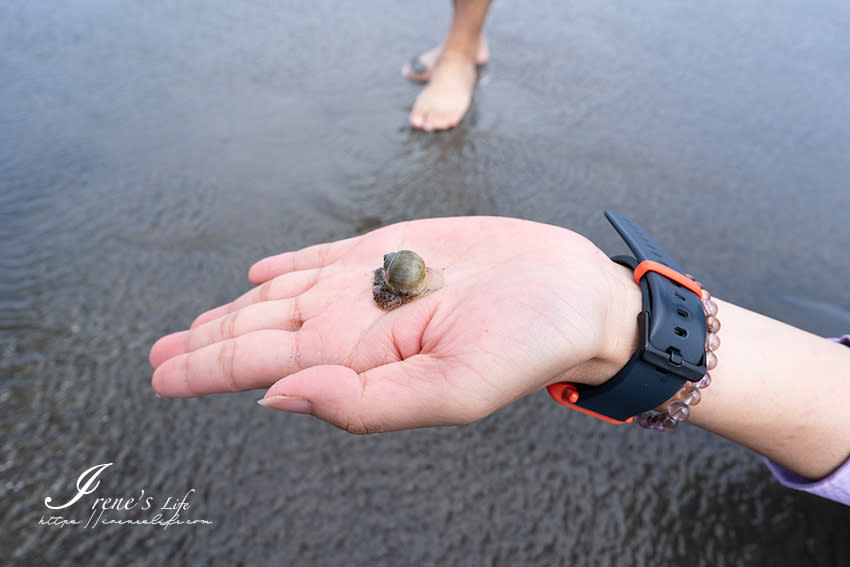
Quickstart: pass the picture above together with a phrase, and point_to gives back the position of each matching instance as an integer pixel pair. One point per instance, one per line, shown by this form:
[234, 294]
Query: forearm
[780, 391]
[777, 390]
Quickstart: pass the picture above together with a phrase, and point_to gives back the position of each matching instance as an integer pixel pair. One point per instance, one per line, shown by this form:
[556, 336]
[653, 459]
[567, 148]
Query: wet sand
[150, 153]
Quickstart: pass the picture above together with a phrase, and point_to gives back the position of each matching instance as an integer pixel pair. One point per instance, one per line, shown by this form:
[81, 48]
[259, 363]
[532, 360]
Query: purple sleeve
[834, 487]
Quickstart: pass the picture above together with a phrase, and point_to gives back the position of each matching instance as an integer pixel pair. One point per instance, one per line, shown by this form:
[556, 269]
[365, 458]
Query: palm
[521, 304]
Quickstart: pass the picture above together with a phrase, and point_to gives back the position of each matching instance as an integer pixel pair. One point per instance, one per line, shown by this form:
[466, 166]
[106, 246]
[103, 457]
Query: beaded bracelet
[678, 408]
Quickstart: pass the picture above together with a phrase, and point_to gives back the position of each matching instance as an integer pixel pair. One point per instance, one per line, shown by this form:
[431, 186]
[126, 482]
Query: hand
[524, 305]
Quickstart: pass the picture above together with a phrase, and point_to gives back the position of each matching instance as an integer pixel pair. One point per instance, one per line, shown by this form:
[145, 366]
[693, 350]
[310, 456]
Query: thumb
[401, 395]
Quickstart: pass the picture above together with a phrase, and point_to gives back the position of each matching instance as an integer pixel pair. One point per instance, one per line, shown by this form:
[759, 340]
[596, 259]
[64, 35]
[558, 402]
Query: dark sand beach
[151, 151]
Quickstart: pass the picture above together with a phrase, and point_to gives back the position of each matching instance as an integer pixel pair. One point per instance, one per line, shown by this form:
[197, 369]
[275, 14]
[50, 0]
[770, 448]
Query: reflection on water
[152, 151]
[819, 317]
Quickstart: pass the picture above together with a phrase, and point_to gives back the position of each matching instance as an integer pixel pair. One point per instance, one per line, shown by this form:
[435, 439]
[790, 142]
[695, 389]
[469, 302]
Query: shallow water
[151, 152]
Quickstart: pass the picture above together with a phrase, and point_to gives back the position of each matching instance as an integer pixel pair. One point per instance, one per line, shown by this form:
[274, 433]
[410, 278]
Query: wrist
[622, 337]
[666, 348]
[619, 339]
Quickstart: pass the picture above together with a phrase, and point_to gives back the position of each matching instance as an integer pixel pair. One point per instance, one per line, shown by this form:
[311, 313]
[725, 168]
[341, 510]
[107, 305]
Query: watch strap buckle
[567, 394]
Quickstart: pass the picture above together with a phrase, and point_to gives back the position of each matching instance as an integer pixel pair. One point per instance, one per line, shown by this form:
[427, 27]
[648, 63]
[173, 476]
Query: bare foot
[420, 67]
[446, 98]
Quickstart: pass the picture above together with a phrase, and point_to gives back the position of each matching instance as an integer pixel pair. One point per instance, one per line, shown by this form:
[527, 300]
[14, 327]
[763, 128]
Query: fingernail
[289, 404]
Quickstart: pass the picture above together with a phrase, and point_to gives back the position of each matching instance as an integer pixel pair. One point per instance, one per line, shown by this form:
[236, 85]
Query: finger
[251, 361]
[282, 314]
[210, 315]
[309, 258]
[282, 287]
[403, 395]
[167, 347]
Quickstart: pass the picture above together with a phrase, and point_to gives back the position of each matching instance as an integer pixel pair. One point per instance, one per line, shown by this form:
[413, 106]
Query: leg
[446, 98]
[419, 68]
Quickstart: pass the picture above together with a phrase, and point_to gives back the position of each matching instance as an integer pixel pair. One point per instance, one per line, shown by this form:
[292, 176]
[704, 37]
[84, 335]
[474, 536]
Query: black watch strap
[672, 333]
[639, 242]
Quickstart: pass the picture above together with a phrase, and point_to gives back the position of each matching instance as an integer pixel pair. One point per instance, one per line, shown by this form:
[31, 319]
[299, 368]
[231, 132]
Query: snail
[403, 278]
[404, 272]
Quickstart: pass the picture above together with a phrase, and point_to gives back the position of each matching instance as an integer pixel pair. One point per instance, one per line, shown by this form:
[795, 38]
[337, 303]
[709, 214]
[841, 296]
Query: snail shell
[403, 278]
[404, 272]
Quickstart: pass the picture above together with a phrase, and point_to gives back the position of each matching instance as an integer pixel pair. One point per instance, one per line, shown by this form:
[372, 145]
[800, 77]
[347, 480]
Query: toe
[417, 120]
[444, 120]
[417, 74]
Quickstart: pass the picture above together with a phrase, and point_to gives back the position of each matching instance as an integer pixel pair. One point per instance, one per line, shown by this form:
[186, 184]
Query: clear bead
[705, 382]
[680, 411]
[650, 420]
[692, 396]
[705, 294]
[668, 423]
[710, 360]
[712, 341]
[712, 323]
[709, 306]
[654, 421]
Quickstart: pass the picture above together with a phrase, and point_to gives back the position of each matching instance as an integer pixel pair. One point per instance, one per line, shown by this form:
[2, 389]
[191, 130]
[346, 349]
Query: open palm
[523, 305]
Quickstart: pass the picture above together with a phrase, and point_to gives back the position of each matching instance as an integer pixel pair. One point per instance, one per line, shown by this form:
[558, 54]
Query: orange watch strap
[566, 394]
[669, 273]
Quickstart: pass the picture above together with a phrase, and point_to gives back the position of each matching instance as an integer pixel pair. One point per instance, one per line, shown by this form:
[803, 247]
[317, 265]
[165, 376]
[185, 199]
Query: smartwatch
[672, 336]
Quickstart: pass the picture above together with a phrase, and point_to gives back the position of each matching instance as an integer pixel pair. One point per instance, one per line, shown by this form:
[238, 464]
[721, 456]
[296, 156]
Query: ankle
[454, 57]
[461, 46]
